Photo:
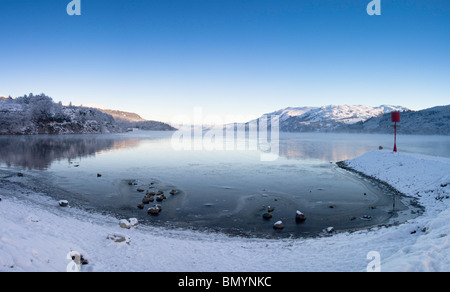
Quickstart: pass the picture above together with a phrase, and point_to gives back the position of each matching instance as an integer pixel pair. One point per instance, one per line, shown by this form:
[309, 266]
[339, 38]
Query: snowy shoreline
[37, 235]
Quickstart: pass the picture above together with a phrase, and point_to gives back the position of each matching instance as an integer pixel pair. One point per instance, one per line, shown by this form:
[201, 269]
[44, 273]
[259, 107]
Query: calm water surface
[227, 191]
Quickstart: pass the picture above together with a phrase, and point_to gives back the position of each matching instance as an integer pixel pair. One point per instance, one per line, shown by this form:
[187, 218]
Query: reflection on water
[339, 147]
[39, 152]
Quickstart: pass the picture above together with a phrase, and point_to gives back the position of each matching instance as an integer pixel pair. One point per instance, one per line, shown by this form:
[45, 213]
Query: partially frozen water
[225, 191]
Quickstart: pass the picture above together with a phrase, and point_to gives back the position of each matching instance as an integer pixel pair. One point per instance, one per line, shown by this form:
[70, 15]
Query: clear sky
[159, 58]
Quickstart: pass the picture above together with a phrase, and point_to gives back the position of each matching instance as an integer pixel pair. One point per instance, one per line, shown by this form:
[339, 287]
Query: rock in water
[278, 225]
[20, 174]
[99, 175]
[147, 200]
[124, 223]
[173, 192]
[154, 211]
[267, 216]
[300, 217]
[63, 203]
[330, 229]
[140, 190]
[270, 209]
[140, 206]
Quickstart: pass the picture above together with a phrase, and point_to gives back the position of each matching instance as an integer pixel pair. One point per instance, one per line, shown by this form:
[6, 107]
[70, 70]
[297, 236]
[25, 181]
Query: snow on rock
[421, 244]
[278, 225]
[300, 217]
[63, 203]
[124, 223]
[133, 222]
[117, 237]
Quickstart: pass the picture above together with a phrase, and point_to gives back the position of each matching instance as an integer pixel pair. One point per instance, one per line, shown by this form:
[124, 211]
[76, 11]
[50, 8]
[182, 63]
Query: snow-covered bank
[36, 234]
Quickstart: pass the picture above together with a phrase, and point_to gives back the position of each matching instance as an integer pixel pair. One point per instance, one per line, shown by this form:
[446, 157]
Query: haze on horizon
[163, 58]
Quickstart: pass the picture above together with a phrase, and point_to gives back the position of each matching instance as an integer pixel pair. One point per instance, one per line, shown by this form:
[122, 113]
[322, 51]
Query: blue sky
[247, 57]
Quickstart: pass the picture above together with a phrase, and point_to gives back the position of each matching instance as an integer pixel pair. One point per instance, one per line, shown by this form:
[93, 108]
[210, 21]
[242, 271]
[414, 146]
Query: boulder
[140, 190]
[330, 230]
[300, 217]
[116, 237]
[150, 194]
[63, 203]
[124, 223]
[140, 206]
[84, 260]
[267, 216]
[270, 209]
[173, 192]
[160, 193]
[159, 198]
[154, 211]
[332, 206]
[99, 175]
[133, 222]
[147, 200]
[278, 225]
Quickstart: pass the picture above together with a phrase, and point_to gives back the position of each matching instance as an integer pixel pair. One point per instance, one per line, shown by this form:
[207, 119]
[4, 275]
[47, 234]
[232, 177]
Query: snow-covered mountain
[432, 121]
[330, 117]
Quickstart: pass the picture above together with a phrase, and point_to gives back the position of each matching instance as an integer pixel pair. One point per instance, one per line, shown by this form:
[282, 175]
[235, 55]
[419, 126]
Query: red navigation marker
[395, 117]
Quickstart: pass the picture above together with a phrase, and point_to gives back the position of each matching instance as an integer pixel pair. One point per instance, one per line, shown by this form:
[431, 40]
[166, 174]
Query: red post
[395, 137]
[395, 117]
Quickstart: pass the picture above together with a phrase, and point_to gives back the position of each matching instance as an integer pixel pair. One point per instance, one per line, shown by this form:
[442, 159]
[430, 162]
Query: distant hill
[121, 116]
[328, 118]
[432, 121]
[133, 120]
